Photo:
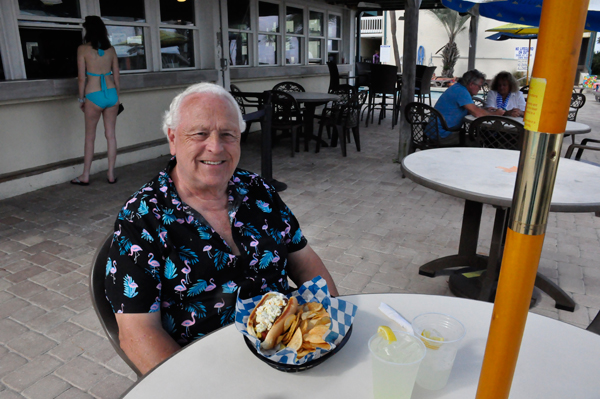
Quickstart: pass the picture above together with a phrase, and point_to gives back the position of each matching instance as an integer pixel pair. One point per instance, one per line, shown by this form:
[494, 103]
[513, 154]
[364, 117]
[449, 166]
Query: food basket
[342, 315]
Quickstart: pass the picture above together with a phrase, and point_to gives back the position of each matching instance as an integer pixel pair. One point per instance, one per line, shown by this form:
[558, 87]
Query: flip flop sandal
[112, 182]
[78, 182]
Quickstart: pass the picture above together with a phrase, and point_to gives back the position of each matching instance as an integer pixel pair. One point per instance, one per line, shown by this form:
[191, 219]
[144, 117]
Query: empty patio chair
[424, 124]
[584, 145]
[497, 132]
[248, 103]
[383, 87]
[286, 116]
[289, 87]
[101, 305]
[343, 117]
[423, 76]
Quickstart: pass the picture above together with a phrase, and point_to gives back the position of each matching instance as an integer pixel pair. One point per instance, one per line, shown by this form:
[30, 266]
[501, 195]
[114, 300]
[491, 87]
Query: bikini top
[103, 86]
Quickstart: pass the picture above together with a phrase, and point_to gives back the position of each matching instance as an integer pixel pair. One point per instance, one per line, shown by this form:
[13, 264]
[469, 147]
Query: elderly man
[200, 232]
[457, 102]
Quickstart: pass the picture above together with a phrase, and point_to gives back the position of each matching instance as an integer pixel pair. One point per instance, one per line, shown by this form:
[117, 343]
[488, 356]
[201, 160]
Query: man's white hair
[171, 118]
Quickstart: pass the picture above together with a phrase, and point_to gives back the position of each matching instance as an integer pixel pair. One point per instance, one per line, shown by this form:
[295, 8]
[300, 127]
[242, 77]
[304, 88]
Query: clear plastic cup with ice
[442, 335]
[395, 364]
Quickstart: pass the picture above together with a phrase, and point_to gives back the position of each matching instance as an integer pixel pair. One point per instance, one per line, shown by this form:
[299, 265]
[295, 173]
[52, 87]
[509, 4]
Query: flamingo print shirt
[165, 256]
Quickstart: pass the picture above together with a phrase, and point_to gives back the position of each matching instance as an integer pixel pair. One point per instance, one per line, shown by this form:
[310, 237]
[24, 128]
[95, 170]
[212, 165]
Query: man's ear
[172, 137]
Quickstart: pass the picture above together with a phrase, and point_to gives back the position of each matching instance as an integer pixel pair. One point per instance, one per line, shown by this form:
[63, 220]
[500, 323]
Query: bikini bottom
[104, 99]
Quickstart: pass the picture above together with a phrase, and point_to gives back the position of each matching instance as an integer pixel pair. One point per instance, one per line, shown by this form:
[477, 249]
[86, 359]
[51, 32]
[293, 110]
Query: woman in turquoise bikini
[97, 59]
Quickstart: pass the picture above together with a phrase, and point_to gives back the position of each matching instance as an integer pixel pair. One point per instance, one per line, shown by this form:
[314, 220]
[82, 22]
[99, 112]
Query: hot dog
[266, 322]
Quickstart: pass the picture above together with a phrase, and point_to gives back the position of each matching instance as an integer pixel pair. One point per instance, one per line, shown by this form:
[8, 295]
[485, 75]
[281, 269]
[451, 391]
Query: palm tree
[454, 24]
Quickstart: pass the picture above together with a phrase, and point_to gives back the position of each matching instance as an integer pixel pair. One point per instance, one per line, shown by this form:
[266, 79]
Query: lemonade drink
[395, 365]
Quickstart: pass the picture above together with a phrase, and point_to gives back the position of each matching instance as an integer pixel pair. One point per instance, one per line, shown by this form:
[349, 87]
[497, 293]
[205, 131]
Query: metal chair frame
[423, 82]
[497, 132]
[286, 116]
[289, 87]
[424, 122]
[383, 86]
[343, 116]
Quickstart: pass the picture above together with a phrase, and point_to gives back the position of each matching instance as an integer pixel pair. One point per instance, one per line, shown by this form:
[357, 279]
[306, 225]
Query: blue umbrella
[526, 12]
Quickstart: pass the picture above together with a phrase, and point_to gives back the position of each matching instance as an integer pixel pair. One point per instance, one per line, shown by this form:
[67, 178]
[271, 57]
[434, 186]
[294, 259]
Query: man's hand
[514, 112]
[143, 339]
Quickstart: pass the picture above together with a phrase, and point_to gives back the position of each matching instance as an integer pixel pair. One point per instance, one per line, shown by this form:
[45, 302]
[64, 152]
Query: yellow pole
[545, 122]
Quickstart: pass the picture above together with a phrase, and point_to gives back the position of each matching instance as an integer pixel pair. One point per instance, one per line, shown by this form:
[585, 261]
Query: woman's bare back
[97, 64]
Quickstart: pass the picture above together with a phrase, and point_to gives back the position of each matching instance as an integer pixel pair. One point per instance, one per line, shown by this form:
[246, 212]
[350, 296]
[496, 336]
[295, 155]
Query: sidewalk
[372, 228]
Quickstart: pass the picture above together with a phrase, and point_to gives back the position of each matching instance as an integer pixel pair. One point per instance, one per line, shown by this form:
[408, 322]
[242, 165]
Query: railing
[371, 26]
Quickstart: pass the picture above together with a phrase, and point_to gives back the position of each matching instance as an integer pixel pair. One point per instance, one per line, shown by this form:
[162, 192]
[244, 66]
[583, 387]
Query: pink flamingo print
[287, 229]
[118, 233]
[121, 310]
[265, 226]
[219, 305]
[154, 264]
[188, 323]
[113, 270]
[165, 304]
[186, 270]
[211, 286]
[177, 203]
[163, 237]
[156, 305]
[207, 249]
[276, 258]
[181, 288]
[264, 284]
[189, 219]
[254, 261]
[155, 212]
[159, 286]
[238, 224]
[182, 340]
[254, 243]
[154, 200]
[133, 251]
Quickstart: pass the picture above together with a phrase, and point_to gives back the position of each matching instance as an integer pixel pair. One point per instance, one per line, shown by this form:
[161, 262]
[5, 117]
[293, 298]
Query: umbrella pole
[545, 122]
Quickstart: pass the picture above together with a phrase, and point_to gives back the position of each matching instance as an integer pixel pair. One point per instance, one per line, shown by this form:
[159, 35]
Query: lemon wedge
[431, 345]
[386, 333]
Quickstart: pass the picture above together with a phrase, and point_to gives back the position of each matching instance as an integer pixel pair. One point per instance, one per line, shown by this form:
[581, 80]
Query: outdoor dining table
[557, 360]
[311, 101]
[572, 128]
[487, 176]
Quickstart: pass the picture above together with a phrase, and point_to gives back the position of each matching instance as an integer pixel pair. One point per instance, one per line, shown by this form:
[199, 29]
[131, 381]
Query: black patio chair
[485, 88]
[286, 116]
[497, 132]
[584, 145]
[101, 305]
[425, 122]
[342, 116]
[362, 70]
[334, 76]
[383, 87]
[289, 87]
[423, 82]
[577, 102]
[480, 102]
[247, 102]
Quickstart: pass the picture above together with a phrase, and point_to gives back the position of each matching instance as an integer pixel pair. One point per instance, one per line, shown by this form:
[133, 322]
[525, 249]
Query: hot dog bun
[269, 340]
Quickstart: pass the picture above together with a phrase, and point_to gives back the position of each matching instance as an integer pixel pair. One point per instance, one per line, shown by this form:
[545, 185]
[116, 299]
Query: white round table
[570, 129]
[556, 360]
[487, 176]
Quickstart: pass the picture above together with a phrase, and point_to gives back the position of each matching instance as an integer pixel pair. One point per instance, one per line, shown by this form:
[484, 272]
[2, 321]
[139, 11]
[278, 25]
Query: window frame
[322, 37]
[252, 37]
[279, 35]
[339, 40]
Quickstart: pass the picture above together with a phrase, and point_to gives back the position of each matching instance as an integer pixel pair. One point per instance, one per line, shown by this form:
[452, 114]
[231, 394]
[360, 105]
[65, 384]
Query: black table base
[478, 274]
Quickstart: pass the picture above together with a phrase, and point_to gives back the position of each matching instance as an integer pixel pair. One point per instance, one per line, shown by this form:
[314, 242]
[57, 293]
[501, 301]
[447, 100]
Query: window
[124, 22]
[50, 53]
[334, 33]
[294, 28]
[50, 8]
[176, 44]
[268, 33]
[238, 14]
[2, 77]
[316, 37]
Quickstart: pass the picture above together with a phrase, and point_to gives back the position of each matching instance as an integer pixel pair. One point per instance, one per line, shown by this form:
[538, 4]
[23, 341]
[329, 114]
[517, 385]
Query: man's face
[206, 142]
[475, 86]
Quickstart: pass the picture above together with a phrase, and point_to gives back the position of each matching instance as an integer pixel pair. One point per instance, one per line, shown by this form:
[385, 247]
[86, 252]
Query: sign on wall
[385, 54]
[522, 55]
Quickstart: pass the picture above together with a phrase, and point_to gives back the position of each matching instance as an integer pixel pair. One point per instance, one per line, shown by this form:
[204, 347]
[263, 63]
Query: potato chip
[287, 323]
[320, 330]
[314, 306]
[304, 326]
[323, 345]
[303, 353]
[296, 341]
[326, 321]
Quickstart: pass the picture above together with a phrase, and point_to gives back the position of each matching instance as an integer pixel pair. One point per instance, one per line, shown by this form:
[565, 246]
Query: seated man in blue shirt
[457, 102]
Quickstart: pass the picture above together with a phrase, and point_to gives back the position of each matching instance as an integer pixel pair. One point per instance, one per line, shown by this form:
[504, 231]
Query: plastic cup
[439, 359]
[395, 365]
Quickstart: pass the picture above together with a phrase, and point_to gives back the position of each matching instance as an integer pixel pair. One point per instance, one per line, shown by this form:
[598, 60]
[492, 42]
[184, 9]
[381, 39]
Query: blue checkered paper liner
[342, 315]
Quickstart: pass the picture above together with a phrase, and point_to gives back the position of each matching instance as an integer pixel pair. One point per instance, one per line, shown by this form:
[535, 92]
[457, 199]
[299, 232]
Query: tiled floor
[372, 228]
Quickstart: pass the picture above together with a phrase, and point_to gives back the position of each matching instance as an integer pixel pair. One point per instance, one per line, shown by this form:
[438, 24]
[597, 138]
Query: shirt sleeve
[520, 101]
[132, 284]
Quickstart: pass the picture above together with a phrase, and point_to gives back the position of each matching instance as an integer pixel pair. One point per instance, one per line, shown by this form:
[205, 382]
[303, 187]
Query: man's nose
[214, 143]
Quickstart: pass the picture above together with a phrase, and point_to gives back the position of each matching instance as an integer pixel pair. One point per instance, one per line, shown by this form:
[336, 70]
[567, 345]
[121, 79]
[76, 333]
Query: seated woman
[505, 95]
[200, 232]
